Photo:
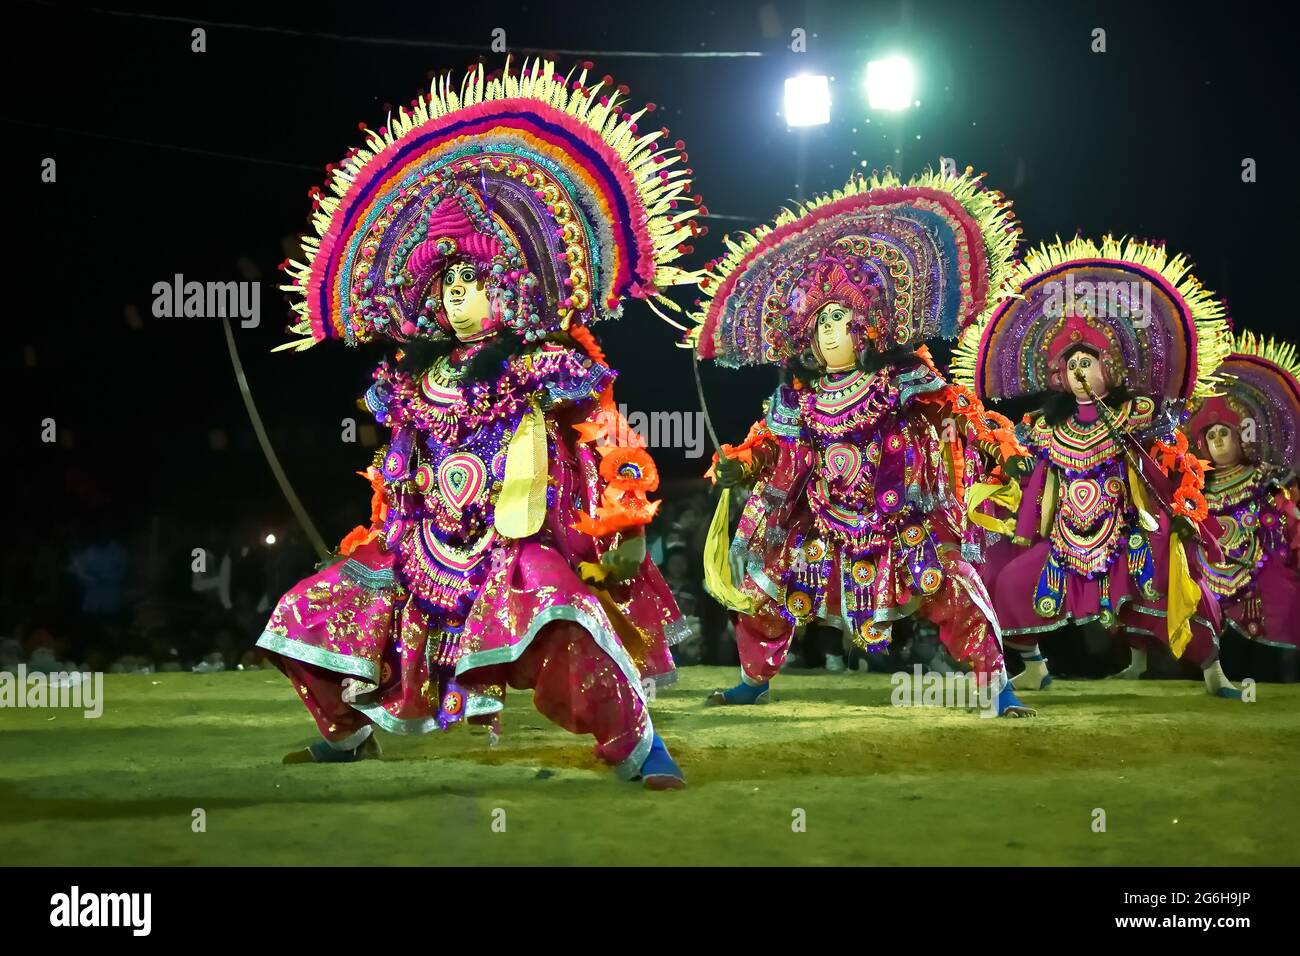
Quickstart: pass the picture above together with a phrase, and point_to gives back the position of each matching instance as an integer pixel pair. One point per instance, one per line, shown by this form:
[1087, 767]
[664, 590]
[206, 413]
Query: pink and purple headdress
[545, 181]
[1156, 328]
[1260, 389]
[846, 281]
[914, 261]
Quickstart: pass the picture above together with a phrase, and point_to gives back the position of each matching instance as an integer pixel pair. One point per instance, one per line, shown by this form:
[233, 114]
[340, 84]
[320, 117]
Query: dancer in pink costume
[861, 468]
[485, 232]
[1251, 434]
[1112, 519]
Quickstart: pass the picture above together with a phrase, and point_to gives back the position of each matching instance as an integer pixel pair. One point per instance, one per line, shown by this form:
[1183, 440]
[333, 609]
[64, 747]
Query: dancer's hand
[1018, 466]
[624, 561]
[729, 471]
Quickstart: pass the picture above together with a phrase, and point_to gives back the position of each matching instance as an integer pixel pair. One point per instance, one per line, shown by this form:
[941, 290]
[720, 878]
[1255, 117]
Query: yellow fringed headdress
[1168, 332]
[930, 255]
[573, 206]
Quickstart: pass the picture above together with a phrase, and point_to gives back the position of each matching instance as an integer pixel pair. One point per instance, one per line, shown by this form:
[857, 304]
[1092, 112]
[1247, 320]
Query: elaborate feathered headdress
[1151, 321]
[1261, 398]
[921, 259]
[546, 182]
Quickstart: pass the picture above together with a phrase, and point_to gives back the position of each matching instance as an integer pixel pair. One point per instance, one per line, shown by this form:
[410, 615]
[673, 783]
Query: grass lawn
[1183, 779]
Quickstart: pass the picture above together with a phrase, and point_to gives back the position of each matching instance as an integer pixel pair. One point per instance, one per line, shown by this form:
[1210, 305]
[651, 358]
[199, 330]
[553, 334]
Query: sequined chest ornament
[868, 539]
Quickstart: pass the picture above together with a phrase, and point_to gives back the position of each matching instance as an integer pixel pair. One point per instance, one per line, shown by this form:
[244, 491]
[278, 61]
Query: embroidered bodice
[446, 461]
[872, 467]
[1243, 499]
[842, 415]
[852, 516]
[1087, 463]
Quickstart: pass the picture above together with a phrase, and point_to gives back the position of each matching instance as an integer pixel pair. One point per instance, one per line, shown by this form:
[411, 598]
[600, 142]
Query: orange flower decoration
[1195, 468]
[1191, 504]
[923, 353]
[618, 511]
[378, 500]
[354, 539]
[744, 452]
[378, 511]
[628, 469]
[582, 335]
[1167, 455]
[607, 426]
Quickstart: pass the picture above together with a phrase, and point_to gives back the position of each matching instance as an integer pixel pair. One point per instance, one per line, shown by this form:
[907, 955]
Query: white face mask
[1088, 366]
[834, 340]
[465, 300]
[1224, 445]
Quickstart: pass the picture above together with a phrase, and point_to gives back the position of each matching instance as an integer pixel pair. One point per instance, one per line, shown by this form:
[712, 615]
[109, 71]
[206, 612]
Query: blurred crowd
[142, 599]
[108, 595]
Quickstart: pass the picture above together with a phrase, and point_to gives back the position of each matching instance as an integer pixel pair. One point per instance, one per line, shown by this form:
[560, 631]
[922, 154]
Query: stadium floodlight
[889, 83]
[807, 100]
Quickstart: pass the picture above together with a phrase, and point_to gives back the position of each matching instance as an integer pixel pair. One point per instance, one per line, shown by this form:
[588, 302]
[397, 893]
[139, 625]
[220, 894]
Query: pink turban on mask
[448, 221]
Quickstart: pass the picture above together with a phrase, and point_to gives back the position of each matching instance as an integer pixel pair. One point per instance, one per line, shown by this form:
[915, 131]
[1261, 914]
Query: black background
[170, 161]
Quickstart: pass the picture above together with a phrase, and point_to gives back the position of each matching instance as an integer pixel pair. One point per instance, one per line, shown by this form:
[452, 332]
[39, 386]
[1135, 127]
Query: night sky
[170, 161]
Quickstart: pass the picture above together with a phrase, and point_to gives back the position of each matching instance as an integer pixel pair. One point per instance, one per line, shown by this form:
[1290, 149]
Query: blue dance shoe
[742, 693]
[322, 752]
[1009, 704]
[660, 770]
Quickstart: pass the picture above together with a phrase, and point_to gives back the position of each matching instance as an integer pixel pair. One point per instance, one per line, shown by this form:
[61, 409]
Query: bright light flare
[807, 100]
[889, 83]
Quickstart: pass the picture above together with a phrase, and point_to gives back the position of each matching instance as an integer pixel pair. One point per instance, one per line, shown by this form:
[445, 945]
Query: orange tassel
[354, 539]
[582, 335]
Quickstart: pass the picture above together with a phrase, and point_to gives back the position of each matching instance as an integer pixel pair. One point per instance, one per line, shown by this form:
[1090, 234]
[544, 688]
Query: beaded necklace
[841, 405]
[1079, 447]
[1230, 486]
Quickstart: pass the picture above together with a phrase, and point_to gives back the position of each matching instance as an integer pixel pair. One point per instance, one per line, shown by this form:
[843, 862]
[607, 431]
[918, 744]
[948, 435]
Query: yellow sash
[717, 563]
[633, 639]
[1184, 596]
[1007, 495]
[521, 506]
[1139, 493]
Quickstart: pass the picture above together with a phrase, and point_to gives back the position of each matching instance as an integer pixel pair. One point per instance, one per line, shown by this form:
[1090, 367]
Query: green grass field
[1183, 779]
